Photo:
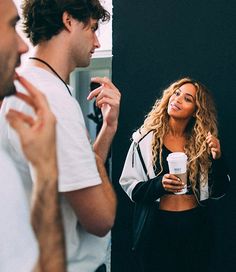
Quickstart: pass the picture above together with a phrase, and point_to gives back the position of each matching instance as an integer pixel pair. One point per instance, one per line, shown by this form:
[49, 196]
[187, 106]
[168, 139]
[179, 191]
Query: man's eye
[14, 25]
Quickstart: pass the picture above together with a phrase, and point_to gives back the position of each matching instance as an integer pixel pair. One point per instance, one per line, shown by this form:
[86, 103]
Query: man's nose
[22, 46]
[96, 42]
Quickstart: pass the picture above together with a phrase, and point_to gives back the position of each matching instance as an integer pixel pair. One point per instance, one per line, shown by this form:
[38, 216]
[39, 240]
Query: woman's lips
[174, 106]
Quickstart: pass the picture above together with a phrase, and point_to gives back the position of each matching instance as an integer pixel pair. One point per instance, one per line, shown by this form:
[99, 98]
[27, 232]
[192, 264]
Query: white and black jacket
[134, 180]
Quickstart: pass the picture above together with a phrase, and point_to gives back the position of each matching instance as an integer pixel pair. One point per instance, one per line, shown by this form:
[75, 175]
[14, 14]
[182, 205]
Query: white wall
[105, 32]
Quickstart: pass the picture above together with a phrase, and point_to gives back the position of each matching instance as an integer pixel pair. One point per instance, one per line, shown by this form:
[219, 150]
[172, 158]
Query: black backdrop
[156, 42]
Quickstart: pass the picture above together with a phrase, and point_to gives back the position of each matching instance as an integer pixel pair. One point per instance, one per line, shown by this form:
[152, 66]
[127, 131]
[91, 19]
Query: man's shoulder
[53, 88]
[45, 81]
[10, 172]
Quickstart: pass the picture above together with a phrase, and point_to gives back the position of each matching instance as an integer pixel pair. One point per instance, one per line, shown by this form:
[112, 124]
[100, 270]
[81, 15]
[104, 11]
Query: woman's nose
[179, 98]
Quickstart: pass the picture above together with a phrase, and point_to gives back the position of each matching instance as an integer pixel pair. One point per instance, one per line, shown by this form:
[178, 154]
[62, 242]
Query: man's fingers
[16, 123]
[27, 85]
[106, 101]
[38, 99]
[19, 120]
[94, 93]
[27, 99]
[104, 80]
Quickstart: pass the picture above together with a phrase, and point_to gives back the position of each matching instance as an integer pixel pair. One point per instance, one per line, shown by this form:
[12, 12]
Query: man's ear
[67, 20]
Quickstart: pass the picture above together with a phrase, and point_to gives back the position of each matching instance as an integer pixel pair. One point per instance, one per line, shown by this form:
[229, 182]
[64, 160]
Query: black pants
[180, 241]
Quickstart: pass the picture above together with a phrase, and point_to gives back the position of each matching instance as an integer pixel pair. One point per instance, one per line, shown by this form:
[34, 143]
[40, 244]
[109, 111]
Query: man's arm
[38, 140]
[95, 206]
[46, 221]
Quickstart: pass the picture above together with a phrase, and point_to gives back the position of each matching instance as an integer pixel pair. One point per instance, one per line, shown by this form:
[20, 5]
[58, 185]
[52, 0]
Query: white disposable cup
[177, 162]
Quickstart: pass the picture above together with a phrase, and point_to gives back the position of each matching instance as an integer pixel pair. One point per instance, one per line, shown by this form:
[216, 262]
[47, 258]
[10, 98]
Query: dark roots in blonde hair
[204, 121]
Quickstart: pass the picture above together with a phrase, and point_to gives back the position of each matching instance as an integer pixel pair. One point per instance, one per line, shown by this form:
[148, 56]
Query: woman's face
[182, 103]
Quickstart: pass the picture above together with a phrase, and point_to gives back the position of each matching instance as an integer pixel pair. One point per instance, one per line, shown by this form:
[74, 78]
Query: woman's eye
[188, 99]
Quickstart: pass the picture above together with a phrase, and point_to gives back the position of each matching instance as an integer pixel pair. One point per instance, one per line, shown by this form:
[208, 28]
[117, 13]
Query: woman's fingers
[172, 183]
[214, 145]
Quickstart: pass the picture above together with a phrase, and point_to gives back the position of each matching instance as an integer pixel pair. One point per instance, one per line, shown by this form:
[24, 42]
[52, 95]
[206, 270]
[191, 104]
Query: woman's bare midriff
[177, 202]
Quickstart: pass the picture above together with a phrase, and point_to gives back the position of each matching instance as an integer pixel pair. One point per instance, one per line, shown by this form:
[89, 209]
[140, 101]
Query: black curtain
[155, 42]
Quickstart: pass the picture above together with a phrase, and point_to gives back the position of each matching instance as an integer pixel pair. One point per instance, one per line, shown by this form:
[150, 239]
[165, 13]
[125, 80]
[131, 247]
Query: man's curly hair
[42, 19]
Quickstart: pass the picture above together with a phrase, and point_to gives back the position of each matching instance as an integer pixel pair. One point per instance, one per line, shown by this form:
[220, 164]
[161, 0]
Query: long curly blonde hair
[196, 147]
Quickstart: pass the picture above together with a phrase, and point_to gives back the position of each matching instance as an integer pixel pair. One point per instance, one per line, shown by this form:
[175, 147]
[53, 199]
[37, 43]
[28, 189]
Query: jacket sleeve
[134, 181]
[133, 172]
[219, 178]
[151, 189]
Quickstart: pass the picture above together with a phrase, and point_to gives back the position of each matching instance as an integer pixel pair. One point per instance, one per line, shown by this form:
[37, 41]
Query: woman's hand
[214, 145]
[172, 183]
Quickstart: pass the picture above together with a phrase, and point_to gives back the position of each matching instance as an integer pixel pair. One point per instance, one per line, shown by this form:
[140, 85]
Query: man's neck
[56, 56]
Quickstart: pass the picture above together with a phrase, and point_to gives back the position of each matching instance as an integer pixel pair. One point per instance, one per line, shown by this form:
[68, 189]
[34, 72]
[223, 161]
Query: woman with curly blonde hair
[183, 120]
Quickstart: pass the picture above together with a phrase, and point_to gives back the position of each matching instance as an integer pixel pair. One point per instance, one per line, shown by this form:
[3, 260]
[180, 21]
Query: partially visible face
[182, 103]
[85, 42]
[11, 47]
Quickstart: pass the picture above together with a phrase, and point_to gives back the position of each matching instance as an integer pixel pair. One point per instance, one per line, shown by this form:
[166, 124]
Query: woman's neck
[177, 128]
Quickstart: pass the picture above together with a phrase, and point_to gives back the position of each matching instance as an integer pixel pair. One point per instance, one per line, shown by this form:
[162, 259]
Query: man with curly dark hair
[43, 19]
[64, 35]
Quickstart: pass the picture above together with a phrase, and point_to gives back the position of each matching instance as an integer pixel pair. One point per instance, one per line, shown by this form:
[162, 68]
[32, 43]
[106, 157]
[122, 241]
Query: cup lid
[177, 155]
